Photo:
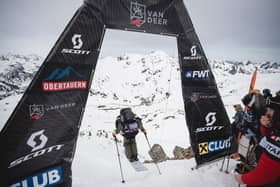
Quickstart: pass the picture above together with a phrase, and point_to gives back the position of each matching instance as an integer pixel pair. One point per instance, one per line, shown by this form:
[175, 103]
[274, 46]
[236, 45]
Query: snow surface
[142, 81]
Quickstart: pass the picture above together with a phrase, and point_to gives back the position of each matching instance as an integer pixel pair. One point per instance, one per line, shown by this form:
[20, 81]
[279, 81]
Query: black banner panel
[38, 141]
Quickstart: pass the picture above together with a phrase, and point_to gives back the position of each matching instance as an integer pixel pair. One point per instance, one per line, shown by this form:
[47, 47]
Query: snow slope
[151, 85]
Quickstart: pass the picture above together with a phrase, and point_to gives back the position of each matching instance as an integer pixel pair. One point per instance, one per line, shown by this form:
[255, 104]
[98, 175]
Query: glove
[114, 134]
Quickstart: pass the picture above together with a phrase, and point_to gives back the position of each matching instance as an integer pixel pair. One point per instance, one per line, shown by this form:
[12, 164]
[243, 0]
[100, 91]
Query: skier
[128, 124]
[267, 171]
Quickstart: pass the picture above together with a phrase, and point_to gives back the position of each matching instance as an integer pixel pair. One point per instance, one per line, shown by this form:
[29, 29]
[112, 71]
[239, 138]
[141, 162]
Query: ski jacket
[267, 171]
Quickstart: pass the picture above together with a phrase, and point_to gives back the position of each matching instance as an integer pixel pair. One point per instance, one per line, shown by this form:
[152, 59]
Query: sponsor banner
[271, 147]
[66, 78]
[197, 96]
[29, 146]
[210, 120]
[37, 142]
[60, 86]
[193, 55]
[37, 111]
[47, 178]
[197, 75]
[141, 14]
[213, 146]
[76, 49]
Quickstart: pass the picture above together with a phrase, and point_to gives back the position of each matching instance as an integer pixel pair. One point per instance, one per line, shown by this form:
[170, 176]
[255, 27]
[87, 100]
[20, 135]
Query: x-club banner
[38, 141]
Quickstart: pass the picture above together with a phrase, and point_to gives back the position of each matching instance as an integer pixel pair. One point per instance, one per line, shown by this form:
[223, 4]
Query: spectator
[267, 95]
[267, 171]
[238, 119]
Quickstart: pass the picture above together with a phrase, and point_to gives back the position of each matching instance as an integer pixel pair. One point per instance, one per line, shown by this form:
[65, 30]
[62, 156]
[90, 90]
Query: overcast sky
[233, 30]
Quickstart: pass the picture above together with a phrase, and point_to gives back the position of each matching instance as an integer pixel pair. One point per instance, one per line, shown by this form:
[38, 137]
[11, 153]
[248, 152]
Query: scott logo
[77, 41]
[32, 143]
[77, 45]
[197, 75]
[193, 55]
[43, 179]
[37, 148]
[210, 119]
[193, 51]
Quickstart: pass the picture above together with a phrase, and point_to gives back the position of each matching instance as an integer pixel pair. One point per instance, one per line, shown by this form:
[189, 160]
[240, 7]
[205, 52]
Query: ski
[138, 166]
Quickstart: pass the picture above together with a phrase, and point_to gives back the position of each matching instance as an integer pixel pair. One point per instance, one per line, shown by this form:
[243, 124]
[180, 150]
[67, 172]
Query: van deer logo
[77, 41]
[32, 143]
[137, 14]
[36, 111]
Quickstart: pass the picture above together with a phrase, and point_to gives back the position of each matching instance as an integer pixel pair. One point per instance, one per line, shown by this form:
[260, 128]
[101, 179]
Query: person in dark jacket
[267, 171]
[267, 95]
[276, 100]
[254, 108]
[238, 119]
[127, 123]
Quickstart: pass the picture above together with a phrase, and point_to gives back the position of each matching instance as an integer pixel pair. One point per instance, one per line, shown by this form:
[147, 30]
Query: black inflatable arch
[40, 135]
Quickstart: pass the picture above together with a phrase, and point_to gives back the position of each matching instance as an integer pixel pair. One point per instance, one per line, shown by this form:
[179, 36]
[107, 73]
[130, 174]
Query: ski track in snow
[96, 162]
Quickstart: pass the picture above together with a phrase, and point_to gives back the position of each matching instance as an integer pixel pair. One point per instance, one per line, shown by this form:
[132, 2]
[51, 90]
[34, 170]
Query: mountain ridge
[16, 70]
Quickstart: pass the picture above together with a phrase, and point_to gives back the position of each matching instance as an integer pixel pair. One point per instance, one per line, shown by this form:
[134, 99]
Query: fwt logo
[197, 75]
[210, 119]
[36, 111]
[77, 45]
[53, 81]
[214, 146]
[38, 149]
[139, 15]
[32, 143]
[43, 179]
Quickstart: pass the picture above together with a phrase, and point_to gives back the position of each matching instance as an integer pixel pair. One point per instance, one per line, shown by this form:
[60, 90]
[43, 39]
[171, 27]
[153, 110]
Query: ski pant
[130, 147]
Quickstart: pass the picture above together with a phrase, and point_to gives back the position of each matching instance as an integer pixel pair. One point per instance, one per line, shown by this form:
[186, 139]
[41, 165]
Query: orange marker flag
[253, 81]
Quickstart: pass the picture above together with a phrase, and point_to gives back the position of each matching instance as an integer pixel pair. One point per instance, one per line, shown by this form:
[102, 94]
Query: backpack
[130, 130]
[129, 124]
[127, 116]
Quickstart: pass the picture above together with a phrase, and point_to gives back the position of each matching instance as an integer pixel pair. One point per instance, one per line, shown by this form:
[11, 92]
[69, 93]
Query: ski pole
[221, 169]
[119, 160]
[227, 165]
[151, 149]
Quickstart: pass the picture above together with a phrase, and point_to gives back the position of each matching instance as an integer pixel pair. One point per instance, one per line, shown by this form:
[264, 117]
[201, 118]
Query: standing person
[238, 119]
[276, 100]
[254, 107]
[267, 171]
[267, 95]
[128, 124]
